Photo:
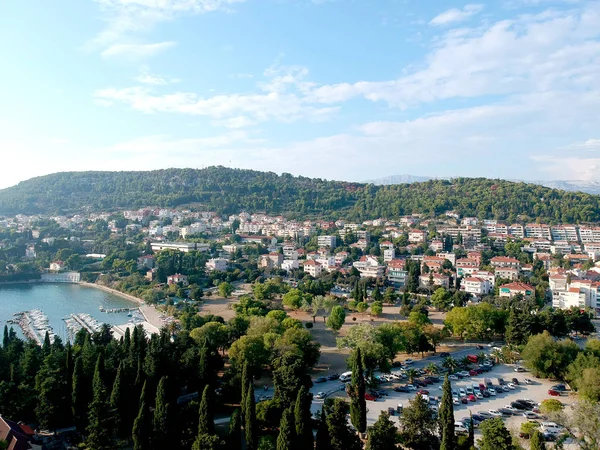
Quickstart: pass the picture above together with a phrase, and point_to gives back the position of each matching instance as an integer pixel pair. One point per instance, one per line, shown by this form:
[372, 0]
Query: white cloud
[590, 144]
[147, 77]
[136, 50]
[456, 15]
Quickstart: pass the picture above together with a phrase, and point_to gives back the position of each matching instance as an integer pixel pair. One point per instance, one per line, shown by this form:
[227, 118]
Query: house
[436, 245]
[447, 255]
[178, 279]
[396, 273]
[313, 268]
[271, 261]
[217, 265]
[341, 257]
[417, 236]
[389, 254]
[368, 266]
[326, 241]
[476, 286]
[145, 262]
[505, 261]
[508, 273]
[151, 274]
[16, 435]
[512, 289]
[489, 276]
[386, 244]
[437, 278]
[571, 297]
[466, 266]
[57, 266]
[434, 263]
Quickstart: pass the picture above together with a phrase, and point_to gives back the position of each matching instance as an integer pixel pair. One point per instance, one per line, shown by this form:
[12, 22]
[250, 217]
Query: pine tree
[160, 421]
[250, 419]
[118, 404]
[342, 437]
[383, 435]
[358, 404]
[446, 418]
[46, 346]
[302, 419]
[323, 440]
[141, 426]
[286, 431]
[235, 430]
[537, 441]
[99, 429]
[79, 400]
[206, 419]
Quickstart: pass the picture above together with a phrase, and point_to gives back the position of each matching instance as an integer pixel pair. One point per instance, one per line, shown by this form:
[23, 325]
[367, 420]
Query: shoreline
[130, 297]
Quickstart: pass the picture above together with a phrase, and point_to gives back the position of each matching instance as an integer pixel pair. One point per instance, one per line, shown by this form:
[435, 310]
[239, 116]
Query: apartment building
[368, 266]
[512, 289]
[476, 286]
[589, 234]
[538, 230]
[396, 272]
[438, 279]
[216, 265]
[389, 254]
[326, 241]
[509, 273]
[313, 268]
[565, 233]
[505, 261]
[417, 236]
[466, 266]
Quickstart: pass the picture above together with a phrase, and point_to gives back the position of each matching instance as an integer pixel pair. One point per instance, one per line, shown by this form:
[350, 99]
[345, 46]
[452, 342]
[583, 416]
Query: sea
[59, 300]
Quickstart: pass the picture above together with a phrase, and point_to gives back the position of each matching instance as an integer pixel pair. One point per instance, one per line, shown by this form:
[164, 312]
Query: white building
[216, 265]
[313, 268]
[476, 286]
[368, 266]
[389, 254]
[326, 241]
[184, 247]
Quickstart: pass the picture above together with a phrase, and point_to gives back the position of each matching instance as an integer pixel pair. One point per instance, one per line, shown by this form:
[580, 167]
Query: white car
[408, 361]
[462, 392]
[492, 391]
[530, 415]
[452, 377]
[411, 387]
[511, 386]
[320, 395]
[478, 395]
[469, 390]
[455, 401]
[511, 409]
[550, 427]
[495, 413]
[460, 428]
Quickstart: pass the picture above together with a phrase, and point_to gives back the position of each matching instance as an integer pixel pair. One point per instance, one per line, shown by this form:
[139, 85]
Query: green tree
[323, 440]
[118, 404]
[446, 418]
[361, 307]
[537, 441]
[342, 437]
[383, 435]
[376, 308]
[142, 427]
[235, 430]
[418, 426]
[285, 439]
[303, 418]
[548, 358]
[337, 318]
[250, 428]
[495, 436]
[441, 299]
[225, 289]
[206, 418]
[99, 434]
[358, 404]
[293, 298]
[79, 395]
[160, 421]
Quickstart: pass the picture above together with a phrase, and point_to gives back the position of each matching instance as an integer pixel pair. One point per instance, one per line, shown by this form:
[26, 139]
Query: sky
[337, 89]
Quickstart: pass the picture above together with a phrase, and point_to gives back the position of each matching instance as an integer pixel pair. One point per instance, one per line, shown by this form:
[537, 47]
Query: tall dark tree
[250, 427]
[537, 441]
[285, 439]
[323, 440]
[418, 426]
[383, 435]
[79, 397]
[446, 418]
[99, 434]
[118, 404]
[206, 417]
[303, 419]
[358, 404]
[246, 378]
[142, 427]
[235, 430]
[342, 437]
[495, 436]
[160, 421]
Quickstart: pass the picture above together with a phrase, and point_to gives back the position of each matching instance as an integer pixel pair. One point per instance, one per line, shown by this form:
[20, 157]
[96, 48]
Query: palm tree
[464, 362]
[481, 357]
[432, 368]
[497, 355]
[412, 374]
[450, 363]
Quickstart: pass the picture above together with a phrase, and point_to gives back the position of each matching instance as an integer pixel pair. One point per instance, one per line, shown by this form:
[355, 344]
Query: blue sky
[339, 89]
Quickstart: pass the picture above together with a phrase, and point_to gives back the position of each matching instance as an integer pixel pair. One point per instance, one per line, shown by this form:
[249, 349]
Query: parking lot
[535, 392]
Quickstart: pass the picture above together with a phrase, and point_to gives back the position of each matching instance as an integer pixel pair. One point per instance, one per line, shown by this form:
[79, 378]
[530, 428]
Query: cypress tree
[302, 419]
[127, 340]
[69, 363]
[160, 421]
[79, 401]
[99, 430]
[286, 431]
[250, 419]
[323, 441]
[471, 439]
[118, 404]
[358, 404]
[141, 426]
[5, 338]
[537, 441]
[235, 430]
[46, 346]
[245, 380]
[446, 418]
[206, 419]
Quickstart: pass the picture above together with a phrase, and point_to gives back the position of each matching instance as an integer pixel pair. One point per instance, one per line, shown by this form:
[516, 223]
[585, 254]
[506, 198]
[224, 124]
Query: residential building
[17, 436]
[341, 257]
[589, 234]
[436, 245]
[184, 247]
[57, 266]
[569, 298]
[508, 273]
[417, 236]
[289, 264]
[396, 272]
[326, 241]
[368, 266]
[151, 274]
[489, 276]
[386, 244]
[561, 248]
[30, 252]
[434, 263]
[145, 262]
[313, 268]
[565, 233]
[466, 266]
[389, 254]
[516, 230]
[438, 279]
[476, 286]
[178, 279]
[504, 261]
[271, 261]
[538, 230]
[363, 234]
[512, 289]
[216, 265]
[447, 255]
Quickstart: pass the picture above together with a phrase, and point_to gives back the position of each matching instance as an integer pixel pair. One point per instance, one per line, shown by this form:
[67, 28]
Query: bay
[58, 300]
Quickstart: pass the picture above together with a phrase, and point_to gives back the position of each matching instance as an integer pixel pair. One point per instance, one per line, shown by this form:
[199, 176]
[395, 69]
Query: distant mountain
[589, 187]
[229, 191]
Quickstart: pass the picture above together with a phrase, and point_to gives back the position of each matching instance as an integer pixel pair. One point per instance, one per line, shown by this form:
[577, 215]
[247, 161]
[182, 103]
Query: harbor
[34, 324]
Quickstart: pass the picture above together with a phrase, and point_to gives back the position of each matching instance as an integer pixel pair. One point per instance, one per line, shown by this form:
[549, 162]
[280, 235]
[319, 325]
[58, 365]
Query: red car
[472, 372]
[472, 398]
[370, 397]
[423, 392]
[464, 400]
[554, 393]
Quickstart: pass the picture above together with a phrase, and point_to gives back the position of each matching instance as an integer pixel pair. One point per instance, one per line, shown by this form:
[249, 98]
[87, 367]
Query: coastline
[150, 313]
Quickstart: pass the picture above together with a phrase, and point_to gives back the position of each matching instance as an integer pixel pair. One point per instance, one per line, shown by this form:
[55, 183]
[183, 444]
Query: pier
[35, 325]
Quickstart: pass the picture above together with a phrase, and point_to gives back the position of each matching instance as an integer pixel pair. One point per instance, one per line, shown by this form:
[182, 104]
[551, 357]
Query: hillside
[231, 190]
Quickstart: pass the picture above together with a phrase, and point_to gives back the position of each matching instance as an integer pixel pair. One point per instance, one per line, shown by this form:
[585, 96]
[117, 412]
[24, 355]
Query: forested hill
[233, 190]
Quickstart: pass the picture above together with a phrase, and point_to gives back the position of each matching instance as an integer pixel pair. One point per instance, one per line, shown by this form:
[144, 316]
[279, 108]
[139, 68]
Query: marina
[34, 325]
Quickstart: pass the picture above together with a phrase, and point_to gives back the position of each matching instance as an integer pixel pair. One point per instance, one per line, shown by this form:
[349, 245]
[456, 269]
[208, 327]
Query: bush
[308, 325]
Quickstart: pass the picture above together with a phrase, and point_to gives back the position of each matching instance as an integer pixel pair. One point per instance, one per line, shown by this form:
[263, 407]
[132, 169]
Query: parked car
[501, 381]
[465, 374]
[444, 354]
[478, 418]
[505, 388]
[452, 377]
[469, 390]
[370, 397]
[423, 392]
[455, 401]
[528, 381]
[511, 386]
[333, 376]
[462, 392]
[559, 387]
[515, 381]
[382, 393]
[530, 415]
[408, 361]
[473, 372]
[485, 415]
[495, 413]
[511, 409]
[505, 412]
[554, 392]
[320, 380]
[519, 405]
[488, 382]
[464, 400]
[402, 389]
[491, 391]
[519, 369]
[459, 428]
[472, 398]
[399, 408]
[320, 395]
[391, 411]
[479, 395]
[485, 393]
